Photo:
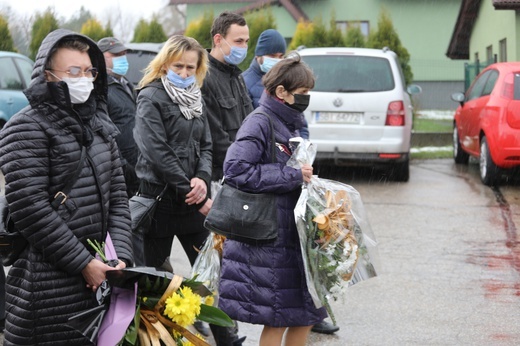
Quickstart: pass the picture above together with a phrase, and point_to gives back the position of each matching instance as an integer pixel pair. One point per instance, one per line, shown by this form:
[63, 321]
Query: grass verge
[432, 125]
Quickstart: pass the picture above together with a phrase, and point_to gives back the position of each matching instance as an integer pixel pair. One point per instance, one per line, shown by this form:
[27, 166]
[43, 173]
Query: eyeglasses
[75, 72]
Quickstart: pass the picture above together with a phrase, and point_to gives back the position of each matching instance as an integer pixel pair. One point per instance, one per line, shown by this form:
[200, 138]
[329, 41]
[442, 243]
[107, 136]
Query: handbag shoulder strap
[273, 140]
[61, 196]
[160, 196]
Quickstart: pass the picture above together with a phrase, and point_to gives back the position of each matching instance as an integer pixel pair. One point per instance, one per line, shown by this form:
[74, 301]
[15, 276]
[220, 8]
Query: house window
[502, 52]
[489, 54]
[344, 26]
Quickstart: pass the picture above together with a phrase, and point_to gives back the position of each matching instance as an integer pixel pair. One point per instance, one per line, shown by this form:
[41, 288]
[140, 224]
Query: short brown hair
[72, 44]
[223, 22]
[292, 73]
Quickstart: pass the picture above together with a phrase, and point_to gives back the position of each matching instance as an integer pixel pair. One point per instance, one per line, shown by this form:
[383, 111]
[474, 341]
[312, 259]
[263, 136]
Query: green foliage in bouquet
[166, 306]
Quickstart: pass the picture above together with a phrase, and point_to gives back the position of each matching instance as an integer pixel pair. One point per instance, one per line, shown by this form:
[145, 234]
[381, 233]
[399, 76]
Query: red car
[487, 122]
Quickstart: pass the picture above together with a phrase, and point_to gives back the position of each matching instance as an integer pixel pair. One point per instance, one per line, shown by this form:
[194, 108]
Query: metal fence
[471, 70]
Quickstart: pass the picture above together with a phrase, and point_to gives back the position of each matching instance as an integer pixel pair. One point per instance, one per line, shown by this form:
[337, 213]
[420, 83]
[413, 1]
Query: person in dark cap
[121, 107]
[270, 49]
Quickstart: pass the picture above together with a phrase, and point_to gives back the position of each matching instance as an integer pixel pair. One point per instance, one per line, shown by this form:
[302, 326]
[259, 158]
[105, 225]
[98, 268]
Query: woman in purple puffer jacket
[265, 283]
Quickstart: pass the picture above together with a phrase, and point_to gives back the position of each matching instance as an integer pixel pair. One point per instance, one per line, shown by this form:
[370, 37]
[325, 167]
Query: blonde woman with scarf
[174, 142]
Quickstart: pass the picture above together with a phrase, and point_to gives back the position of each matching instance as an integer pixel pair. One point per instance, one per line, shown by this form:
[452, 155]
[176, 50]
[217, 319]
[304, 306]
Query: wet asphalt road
[450, 257]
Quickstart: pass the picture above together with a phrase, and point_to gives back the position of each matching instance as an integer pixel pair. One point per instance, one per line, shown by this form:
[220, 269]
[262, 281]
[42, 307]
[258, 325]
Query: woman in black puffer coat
[40, 150]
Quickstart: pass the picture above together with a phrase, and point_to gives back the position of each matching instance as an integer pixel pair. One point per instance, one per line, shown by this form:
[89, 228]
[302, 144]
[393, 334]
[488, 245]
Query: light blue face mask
[120, 65]
[236, 55]
[268, 63]
[178, 81]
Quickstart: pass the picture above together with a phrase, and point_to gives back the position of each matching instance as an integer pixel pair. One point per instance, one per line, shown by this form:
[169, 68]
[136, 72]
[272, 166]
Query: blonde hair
[172, 50]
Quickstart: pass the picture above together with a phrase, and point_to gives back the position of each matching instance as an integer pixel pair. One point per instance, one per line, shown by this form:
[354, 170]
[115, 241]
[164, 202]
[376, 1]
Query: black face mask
[301, 102]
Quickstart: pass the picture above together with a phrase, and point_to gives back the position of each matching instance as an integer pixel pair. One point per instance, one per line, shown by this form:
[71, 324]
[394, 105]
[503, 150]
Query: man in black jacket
[224, 91]
[227, 104]
[121, 107]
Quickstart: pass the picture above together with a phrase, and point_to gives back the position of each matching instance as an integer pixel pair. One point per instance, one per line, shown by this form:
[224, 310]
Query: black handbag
[142, 210]
[12, 243]
[242, 216]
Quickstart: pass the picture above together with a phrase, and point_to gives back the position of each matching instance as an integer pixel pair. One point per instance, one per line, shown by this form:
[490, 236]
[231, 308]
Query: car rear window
[517, 87]
[343, 73]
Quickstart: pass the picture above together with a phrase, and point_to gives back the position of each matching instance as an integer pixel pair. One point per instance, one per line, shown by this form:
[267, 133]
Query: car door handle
[10, 101]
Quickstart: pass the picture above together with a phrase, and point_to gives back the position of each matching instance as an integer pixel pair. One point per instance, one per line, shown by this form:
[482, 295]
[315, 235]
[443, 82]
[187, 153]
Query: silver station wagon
[360, 111]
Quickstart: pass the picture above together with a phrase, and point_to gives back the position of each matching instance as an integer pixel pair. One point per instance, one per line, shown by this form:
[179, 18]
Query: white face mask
[79, 88]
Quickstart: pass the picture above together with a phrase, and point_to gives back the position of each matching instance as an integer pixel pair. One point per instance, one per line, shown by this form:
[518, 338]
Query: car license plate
[335, 117]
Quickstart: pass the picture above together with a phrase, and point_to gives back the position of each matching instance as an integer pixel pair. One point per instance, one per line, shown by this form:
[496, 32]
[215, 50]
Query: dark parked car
[15, 75]
[139, 56]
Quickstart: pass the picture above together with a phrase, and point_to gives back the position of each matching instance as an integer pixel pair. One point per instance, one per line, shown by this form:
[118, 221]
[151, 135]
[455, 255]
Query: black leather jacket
[167, 151]
[228, 103]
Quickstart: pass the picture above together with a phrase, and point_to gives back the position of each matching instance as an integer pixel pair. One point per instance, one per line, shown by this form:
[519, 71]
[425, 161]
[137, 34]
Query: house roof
[468, 13]
[506, 4]
[459, 44]
[290, 5]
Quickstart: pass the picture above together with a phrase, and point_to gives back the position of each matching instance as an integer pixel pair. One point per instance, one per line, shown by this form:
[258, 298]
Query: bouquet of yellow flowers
[146, 306]
[166, 306]
[337, 243]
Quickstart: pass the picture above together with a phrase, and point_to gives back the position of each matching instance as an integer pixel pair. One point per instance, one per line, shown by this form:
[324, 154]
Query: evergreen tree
[93, 29]
[257, 21]
[141, 31]
[386, 36]
[156, 32]
[355, 38]
[200, 29]
[75, 23]
[6, 41]
[42, 26]
[335, 36]
[301, 36]
[108, 30]
[316, 34]
[320, 36]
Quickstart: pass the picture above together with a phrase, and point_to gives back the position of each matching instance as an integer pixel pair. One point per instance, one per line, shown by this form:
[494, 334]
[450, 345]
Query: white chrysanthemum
[331, 248]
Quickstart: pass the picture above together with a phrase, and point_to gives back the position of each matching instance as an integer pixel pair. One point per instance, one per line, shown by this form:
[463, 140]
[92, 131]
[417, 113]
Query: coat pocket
[230, 105]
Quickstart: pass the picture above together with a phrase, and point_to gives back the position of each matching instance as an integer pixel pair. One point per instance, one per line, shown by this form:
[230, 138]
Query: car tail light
[509, 86]
[395, 114]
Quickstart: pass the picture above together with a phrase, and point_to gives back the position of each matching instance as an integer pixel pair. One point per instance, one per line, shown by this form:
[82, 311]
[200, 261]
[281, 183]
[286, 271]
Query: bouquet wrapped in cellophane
[206, 268]
[338, 246]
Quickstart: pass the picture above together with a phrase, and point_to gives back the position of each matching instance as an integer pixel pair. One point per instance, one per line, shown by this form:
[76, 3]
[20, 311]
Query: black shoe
[239, 342]
[201, 328]
[325, 328]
